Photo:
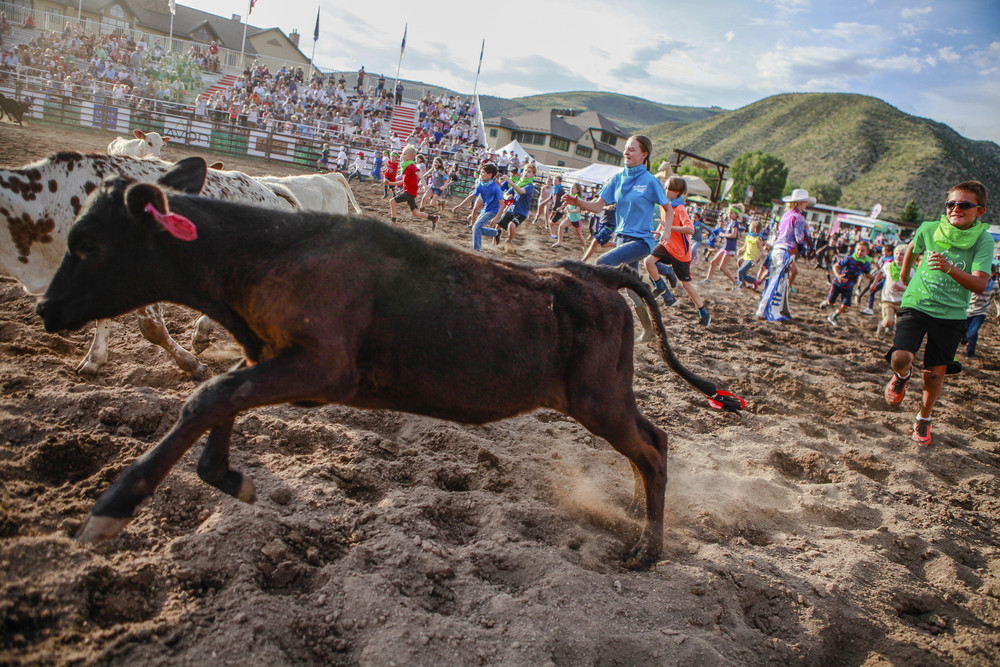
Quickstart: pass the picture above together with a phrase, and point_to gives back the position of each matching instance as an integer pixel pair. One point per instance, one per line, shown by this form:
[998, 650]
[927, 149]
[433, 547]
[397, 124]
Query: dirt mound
[808, 530]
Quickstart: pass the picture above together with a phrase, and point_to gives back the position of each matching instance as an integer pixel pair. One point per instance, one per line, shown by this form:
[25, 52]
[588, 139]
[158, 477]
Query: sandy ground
[809, 530]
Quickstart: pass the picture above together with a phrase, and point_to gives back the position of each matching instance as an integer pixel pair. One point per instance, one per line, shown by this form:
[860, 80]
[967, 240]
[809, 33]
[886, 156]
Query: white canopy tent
[594, 174]
[515, 148]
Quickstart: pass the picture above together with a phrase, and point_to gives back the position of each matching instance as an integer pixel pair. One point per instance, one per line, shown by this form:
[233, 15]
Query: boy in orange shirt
[674, 249]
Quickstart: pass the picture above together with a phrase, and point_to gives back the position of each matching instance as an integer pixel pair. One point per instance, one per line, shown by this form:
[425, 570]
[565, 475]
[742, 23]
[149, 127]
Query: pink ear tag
[175, 223]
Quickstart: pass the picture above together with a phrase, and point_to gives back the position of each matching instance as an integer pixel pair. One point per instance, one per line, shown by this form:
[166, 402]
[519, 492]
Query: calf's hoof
[247, 492]
[641, 557]
[88, 367]
[200, 373]
[100, 528]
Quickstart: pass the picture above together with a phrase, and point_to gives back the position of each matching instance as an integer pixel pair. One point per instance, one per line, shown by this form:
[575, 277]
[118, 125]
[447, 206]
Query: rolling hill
[629, 113]
[875, 152]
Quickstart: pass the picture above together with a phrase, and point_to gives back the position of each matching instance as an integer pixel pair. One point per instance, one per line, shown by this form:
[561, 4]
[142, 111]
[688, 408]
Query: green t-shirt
[935, 292]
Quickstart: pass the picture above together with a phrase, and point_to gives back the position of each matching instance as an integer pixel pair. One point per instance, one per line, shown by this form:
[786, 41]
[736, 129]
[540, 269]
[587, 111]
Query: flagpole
[243, 45]
[312, 59]
[475, 86]
[400, 63]
[173, 10]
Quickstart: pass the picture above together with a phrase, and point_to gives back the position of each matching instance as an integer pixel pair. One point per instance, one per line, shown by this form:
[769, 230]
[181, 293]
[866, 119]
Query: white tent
[696, 186]
[594, 174]
[515, 148]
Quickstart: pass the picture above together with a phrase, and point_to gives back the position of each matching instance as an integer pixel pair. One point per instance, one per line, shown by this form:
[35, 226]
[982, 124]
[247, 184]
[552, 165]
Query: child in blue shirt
[846, 273]
[488, 195]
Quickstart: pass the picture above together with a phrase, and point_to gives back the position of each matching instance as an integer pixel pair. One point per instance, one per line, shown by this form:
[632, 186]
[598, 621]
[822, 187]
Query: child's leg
[725, 268]
[579, 235]
[392, 209]
[972, 334]
[933, 384]
[650, 264]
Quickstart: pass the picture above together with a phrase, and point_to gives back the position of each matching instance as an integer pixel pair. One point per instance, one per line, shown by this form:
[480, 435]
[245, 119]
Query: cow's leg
[214, 405]
[97, 355]
[213, 466]
[201, 337]
[645, 446]
[154, 329]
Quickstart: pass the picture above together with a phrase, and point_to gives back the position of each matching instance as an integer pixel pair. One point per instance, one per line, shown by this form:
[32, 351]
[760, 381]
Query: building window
[608, 138]
[584, 151]
[494, 132]
[608, 158]
[559, 144]
[203, 35]
[532, 138]
[117, 18]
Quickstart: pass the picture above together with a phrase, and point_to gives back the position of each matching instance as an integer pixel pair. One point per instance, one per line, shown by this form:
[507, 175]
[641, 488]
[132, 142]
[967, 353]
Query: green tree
[765, 172]
[911, 212]
[825, 192]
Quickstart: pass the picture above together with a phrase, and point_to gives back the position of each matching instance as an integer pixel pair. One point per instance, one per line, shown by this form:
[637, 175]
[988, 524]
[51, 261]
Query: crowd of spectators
[326, 107]
[90, 66]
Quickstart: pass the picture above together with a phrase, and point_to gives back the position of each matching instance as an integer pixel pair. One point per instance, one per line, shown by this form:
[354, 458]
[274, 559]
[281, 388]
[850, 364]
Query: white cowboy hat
[799, 194]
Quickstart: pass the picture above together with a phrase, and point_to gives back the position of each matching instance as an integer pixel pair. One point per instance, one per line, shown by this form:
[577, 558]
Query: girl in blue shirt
[637, 196]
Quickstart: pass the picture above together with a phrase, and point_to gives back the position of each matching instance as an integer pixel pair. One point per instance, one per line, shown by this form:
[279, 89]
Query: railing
[300, 145]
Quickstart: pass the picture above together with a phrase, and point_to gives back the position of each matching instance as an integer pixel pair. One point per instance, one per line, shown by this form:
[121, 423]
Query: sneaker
[896, 389]
[705, 321]
[922, 431]
[672, 302]
[657, 291]
[792, 290]
[833, 321]
[824, 304]
[433, 218]
[867, 311]
[706, 281]
[496, 240]
[672, 279]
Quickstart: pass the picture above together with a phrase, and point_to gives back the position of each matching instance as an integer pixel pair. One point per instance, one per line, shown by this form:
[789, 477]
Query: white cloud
[910, 13]
[849, 31]
[729, 36]
[948, 55]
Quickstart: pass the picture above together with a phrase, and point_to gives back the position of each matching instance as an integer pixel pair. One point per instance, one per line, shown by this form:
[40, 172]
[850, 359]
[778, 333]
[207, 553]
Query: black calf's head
[118, 249]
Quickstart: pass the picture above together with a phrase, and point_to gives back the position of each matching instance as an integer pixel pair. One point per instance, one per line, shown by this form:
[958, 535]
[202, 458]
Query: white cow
[329, 193]
[144, 145]
[39, 202]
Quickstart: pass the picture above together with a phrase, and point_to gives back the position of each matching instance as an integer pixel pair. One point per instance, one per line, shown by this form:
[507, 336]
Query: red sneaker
[922, 431]
[896, 389]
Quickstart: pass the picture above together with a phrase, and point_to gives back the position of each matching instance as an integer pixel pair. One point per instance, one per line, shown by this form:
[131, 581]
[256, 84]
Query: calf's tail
[719, 399]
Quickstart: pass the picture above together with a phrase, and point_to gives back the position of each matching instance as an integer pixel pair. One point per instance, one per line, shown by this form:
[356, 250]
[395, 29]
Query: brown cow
[316, 303]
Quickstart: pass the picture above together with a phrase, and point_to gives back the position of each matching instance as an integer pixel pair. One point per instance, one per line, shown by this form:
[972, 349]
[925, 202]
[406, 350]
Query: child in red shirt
[390, 173]
[411, 185]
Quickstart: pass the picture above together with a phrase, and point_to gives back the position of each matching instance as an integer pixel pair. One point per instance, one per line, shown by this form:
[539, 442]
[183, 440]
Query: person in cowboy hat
[791, 234]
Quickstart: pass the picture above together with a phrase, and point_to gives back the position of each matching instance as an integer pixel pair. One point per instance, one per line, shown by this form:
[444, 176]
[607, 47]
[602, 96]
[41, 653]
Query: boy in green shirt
[957, 252]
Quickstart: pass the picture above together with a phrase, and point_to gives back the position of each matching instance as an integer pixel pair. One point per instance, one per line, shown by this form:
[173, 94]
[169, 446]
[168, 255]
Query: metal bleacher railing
[97, 108]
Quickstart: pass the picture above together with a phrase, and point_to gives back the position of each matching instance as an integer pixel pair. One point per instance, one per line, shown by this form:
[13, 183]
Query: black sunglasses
[960, 205]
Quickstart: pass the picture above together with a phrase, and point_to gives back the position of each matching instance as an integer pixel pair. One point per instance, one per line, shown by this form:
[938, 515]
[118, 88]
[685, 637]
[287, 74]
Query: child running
[675, 250]
[892, 290]
[391, 166]
[411, 185]
[751, 250]
[957, 251]
[518, 212]
[730, 236]
[487, 194]
[846, 272]
[572, 219]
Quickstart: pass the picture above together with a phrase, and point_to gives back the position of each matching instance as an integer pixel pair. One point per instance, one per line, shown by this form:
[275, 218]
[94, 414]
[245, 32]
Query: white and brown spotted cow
[329, 193]
[39, 202]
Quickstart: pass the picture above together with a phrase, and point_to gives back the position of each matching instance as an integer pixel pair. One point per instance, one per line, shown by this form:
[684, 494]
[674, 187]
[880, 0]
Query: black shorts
[943, 338]
[681, 269]
[407, 198]
[510, 217]
[556, 215]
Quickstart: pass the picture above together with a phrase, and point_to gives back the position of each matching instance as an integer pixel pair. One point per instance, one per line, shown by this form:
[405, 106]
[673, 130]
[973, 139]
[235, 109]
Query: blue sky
[935, 59]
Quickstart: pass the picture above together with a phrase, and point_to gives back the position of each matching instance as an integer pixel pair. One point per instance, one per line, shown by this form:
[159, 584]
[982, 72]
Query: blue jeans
[972, 333]
[479, 230]
[629, 251]
[742, 274]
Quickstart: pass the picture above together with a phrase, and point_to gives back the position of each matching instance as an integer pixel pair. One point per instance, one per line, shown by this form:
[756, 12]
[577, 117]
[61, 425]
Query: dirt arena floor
[809, 530]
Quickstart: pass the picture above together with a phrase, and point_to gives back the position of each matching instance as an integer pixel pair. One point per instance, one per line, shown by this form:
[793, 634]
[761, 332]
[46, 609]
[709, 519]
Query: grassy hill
[875, 152]
[629, 113]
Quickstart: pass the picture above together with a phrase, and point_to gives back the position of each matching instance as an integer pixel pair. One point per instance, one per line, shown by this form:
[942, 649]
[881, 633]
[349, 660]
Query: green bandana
[895, 270]
[404, 165]
[948, 235]
[862, 260]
